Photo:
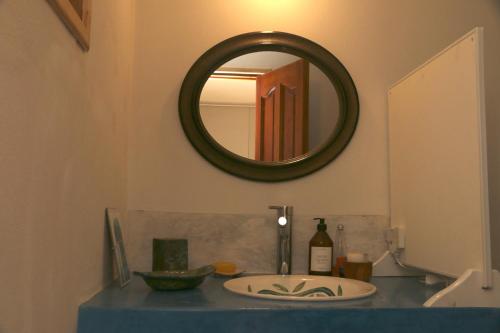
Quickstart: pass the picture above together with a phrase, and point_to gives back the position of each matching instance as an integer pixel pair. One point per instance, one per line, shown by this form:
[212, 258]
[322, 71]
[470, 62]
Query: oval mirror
[268, 106]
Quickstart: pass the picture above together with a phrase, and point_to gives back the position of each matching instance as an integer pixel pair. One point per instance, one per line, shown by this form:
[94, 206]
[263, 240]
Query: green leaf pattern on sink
[280, 287]
[299, 287]
[283, 291]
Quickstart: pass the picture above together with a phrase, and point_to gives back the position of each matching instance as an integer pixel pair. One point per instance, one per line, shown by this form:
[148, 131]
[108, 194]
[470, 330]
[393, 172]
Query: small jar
[358, 267]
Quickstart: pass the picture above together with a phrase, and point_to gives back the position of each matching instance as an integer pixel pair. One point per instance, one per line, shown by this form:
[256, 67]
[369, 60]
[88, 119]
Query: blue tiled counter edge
[395, 308]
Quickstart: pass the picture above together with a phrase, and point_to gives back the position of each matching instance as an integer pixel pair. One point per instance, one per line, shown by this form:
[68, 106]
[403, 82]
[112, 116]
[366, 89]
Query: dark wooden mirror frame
[212, 151]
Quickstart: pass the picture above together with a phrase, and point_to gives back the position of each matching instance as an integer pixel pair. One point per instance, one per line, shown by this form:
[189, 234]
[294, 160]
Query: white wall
[227, 109]
[232, 126]
[165, 171]
[377, 41]
[323, 107]
[63, 117]
[228, 91]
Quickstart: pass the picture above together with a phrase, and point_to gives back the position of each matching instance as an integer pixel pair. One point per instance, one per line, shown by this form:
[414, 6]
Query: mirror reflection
[269, 106]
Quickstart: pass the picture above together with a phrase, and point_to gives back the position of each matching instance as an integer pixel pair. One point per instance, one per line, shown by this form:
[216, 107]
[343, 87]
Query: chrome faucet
[284, 257]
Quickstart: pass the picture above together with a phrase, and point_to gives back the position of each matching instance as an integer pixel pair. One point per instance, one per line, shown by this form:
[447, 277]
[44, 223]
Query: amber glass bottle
[320, 251]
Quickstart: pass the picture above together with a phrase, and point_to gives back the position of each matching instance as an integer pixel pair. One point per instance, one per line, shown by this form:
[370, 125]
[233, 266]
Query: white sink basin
[300, 287]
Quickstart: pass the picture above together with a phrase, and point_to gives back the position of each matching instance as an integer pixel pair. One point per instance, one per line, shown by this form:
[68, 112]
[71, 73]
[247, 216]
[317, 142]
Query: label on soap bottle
[321, 259]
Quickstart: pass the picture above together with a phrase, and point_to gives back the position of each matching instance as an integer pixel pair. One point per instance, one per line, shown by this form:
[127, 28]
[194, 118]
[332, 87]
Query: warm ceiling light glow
[277, 6]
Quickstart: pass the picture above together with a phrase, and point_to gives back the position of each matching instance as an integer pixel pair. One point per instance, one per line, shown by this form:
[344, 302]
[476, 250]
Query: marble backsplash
[248, 240]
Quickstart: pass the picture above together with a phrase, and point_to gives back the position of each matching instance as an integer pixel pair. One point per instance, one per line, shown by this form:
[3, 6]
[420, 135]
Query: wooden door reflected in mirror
[282, 113]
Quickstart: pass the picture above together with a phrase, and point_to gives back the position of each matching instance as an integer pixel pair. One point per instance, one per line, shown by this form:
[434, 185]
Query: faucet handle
[282, 210]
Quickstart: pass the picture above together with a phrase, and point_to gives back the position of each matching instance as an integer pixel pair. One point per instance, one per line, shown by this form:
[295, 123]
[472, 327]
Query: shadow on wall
[497, 3]
[107, 255]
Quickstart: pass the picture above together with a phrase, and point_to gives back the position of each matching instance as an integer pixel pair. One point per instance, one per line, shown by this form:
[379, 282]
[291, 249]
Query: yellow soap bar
[225, 267]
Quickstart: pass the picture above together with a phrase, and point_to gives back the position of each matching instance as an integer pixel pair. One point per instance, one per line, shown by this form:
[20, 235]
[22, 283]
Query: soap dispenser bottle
[320, 251]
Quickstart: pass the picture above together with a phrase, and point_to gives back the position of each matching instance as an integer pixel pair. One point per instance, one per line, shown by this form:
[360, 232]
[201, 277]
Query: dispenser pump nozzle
[321, 224]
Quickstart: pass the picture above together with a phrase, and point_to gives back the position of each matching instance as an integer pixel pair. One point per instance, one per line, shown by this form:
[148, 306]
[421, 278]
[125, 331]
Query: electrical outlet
[395, 238]
[401, 237]
[391, 239]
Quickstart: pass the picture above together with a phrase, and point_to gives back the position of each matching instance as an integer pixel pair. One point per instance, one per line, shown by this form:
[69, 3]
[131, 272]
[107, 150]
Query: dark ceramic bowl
[176, 280]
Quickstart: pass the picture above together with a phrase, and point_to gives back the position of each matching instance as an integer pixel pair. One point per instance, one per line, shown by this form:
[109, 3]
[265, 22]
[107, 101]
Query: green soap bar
[170, 254]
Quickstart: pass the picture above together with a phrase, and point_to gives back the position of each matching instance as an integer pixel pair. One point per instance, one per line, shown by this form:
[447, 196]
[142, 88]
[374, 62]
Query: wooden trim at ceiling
[239, 73]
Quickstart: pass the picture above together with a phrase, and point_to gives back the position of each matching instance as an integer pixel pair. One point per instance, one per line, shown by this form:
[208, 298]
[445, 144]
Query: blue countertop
[396, 307]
